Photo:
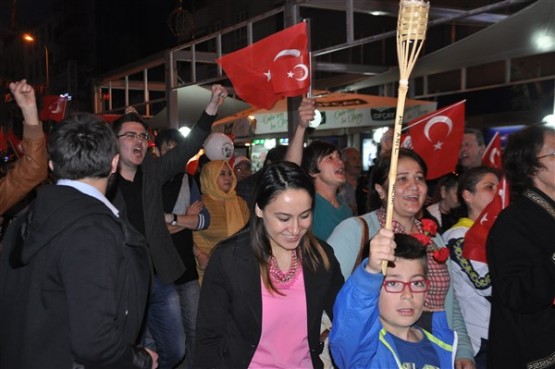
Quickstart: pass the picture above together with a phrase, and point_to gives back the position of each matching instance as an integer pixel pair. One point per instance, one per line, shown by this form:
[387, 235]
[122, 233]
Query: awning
[192, 101]
[528, 32]
[339, 110]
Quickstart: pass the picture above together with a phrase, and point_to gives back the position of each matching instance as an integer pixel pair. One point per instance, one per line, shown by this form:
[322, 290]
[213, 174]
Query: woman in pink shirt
[265, 289]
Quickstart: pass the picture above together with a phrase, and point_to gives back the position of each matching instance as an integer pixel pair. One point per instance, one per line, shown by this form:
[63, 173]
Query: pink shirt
[284, 339]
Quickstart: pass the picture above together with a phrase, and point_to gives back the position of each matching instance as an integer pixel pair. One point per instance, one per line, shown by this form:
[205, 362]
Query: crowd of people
[127, 261]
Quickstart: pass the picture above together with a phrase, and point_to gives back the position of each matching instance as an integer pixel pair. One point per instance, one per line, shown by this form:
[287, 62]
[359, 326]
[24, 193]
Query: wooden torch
[411, 32]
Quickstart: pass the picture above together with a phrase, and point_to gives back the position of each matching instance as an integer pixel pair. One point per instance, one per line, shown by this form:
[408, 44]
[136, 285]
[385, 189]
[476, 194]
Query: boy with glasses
[375, 316]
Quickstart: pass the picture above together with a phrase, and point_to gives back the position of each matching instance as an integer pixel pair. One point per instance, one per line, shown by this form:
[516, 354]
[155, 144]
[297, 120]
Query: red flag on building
[437, 138]
[53, 108]
[272, 68]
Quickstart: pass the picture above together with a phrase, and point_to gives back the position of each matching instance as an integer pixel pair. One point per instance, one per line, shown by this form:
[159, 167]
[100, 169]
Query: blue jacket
[359, 340]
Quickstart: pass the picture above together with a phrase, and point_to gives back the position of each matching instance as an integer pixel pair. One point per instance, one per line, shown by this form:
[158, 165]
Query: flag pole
[309, 48]
[412, 22]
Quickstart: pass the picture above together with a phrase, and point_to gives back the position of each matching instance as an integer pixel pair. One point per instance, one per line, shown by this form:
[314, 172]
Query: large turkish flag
[270, 69]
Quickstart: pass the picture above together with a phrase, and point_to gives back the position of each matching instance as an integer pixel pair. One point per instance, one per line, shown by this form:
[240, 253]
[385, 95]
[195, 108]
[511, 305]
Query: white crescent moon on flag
[290, 52]
[304, 68]
[439, 119]
[55, 108]
[495, 152]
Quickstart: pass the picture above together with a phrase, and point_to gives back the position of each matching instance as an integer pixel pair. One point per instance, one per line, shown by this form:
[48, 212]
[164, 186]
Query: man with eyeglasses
[375, 315]
[140, 179]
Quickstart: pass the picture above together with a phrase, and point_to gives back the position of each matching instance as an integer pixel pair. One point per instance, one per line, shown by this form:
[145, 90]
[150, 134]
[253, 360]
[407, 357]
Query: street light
[29, 38]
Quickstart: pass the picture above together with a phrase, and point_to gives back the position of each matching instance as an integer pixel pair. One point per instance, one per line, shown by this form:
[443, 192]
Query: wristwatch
[174, 221]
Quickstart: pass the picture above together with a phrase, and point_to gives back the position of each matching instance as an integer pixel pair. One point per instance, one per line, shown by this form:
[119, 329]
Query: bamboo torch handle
[392, 177]
[411, 32]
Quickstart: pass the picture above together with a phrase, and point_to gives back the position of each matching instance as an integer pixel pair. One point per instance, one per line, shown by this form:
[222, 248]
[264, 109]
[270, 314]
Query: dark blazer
[229, 322]
[73, 286]
[155, 173]
[521, 258]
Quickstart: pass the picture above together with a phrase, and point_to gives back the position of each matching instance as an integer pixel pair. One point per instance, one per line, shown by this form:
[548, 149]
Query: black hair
[168, 135]
[477, 133]
[314, 152]
[275, 154]
[128, 117]
[380, 172]
[82, 146]
[468, 181]
[447, 181]
[274, 179]
[409, 248]
[520, 159]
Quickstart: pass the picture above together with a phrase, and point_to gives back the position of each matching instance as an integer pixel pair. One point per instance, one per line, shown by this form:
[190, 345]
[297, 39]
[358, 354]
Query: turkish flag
[3, 141]
[475, 238]
[270, 69]
[437, 138]
[14, 143]
[53, 108]
[492, 156]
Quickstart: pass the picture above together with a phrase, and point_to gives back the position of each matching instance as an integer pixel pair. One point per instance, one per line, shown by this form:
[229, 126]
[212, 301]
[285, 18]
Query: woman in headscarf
[228, 212]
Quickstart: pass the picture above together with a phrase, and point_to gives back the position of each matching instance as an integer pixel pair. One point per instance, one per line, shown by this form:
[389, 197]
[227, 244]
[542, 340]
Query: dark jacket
[521, 258]
[72, 290]
[229, 322]
[155, 173]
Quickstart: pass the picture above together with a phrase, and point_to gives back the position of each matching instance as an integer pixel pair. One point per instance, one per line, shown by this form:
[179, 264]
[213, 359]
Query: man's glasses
[135, 136]
[547, 155]
[418, 286]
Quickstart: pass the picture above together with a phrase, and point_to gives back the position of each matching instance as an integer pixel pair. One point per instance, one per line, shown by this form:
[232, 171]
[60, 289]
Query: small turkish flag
[437, 138]
[272, 68]
[53, 108]
[3, 141]
[475, 238]
[14, 142]
[492, 156]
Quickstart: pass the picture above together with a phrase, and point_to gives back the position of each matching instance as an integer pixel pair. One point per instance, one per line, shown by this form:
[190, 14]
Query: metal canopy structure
[153, 83]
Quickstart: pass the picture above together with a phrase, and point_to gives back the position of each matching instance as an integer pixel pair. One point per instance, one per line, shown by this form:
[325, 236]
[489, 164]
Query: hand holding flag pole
[412, 22]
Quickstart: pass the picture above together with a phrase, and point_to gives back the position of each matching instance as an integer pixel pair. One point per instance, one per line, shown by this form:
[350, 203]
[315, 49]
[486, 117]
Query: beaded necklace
[280, 279]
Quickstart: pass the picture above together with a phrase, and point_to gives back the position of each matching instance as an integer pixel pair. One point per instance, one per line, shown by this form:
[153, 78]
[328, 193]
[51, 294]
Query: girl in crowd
[410, 194]
[265, 288]
[228, 212]
[444, 201]
[471, 280]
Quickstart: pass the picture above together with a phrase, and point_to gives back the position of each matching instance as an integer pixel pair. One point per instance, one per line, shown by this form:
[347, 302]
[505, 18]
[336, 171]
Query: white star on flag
[268, 75]
[290, 74]
[438, 145]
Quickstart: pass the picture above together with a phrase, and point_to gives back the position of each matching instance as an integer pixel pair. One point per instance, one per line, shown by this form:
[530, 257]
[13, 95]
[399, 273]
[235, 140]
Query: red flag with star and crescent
[476, 237]
[437, 138]
[272, 68]
[53, 108]
[492, 155]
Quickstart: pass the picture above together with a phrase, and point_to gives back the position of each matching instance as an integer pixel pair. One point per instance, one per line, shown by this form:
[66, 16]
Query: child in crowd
[375, 315]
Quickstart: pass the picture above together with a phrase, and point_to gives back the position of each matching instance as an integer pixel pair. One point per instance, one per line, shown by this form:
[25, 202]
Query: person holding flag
[520, 252]
[31, 168]
[470, 277]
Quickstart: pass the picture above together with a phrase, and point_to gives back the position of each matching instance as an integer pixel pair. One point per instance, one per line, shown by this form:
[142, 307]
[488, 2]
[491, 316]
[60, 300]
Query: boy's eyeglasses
[135, 136]
[418, 286]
